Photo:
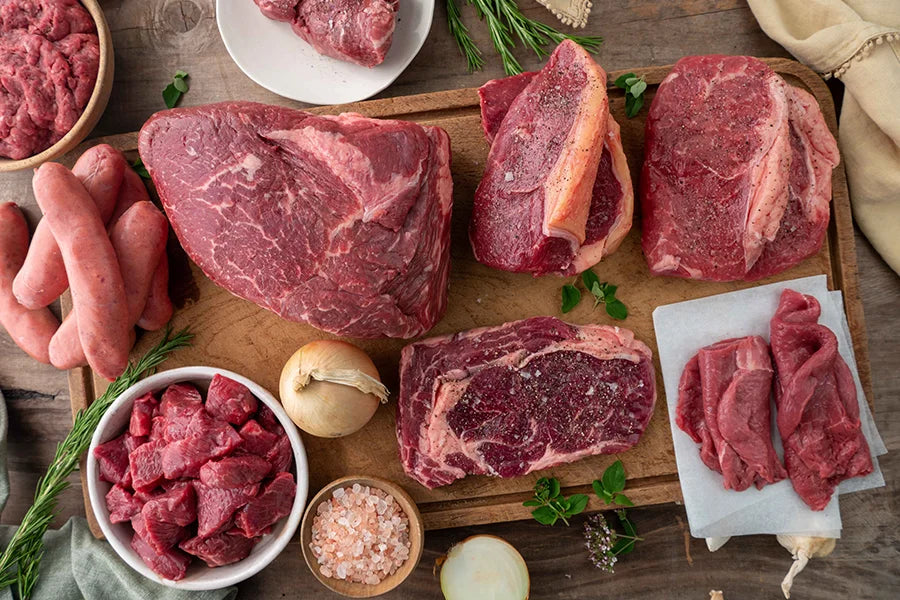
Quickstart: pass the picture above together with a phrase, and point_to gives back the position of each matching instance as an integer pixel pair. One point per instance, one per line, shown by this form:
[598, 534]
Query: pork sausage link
[30, 329]
[42, 278]
[98, 292]
[132, 191]
[139, 239]
[159, 309]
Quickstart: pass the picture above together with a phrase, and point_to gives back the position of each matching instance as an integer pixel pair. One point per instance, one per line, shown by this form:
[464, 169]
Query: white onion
[484, 566]
[330, 388]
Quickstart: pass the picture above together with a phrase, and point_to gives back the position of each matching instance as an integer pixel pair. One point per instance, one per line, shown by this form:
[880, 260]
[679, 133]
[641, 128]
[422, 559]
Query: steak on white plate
[342, 222]
[358, 31]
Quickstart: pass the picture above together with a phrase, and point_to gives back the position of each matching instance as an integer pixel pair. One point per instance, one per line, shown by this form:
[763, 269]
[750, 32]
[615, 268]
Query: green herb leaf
[617, 310]
[577, 504]
[609, 291]
[614, 477]
[590, 279]
[140, 169]
[532, 502]
[171, 95]
[598, 487]
[571, 296]
[180, 84]
[633, 105]
[554, 487]
[179, 74]
[637, 87]
[545, 515]
[622, 500]
[622, 80]
[622, 546]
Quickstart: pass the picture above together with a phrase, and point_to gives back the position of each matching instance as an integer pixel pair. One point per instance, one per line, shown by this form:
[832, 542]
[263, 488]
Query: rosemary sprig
[505, 19]
[460, 32]
[500, 34]
[26, 548]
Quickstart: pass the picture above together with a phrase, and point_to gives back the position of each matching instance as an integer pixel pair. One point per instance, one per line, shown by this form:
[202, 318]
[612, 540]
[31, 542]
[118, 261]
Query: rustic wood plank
[155, 37]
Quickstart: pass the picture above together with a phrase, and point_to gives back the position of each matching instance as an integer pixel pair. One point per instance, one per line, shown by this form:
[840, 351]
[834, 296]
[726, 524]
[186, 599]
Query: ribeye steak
[612, 202]
[342, 222]
[520, 397]
[358, 31]
[736, 172]
[531, 208]
[723, 404]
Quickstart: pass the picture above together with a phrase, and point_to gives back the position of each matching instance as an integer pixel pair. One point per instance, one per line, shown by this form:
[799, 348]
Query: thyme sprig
[20, 562]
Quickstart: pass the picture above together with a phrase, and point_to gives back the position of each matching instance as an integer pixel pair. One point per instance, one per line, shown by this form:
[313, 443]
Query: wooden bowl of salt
[413, 526]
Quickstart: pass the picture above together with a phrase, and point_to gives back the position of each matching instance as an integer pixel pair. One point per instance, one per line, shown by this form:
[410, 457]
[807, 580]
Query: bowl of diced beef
[197, 477]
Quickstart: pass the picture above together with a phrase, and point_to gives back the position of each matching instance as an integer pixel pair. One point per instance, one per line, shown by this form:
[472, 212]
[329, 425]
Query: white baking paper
[681, 330]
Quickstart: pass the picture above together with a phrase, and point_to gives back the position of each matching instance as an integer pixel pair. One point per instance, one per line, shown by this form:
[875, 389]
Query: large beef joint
[534, 210]
[524, 396]
[341, 222]
[737, 172]
[818, 410]
[723, 404]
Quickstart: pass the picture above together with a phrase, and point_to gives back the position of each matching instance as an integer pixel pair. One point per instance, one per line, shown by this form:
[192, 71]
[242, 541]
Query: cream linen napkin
[857, 41]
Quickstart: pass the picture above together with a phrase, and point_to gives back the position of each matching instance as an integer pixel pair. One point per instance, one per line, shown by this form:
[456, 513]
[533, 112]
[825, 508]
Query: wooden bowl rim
[92, 111]
[416, 537]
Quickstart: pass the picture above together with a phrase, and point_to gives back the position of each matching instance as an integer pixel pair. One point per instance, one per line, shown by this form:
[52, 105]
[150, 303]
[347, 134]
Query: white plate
[273, 56]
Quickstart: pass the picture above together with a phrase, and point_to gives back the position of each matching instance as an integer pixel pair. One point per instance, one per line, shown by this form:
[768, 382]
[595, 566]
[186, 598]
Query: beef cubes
[185, 471]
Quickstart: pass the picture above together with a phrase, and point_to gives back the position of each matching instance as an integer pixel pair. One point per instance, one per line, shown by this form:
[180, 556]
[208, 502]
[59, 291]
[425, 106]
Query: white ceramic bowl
[273, 56]
[199, 576]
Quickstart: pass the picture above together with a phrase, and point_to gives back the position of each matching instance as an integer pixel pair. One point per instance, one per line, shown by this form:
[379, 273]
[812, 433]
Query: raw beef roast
[612, 203]
[520, 397]
[342, 222]
[358, 31]
[723, 404]
[737, 172]
[531, 209]
[818, 410]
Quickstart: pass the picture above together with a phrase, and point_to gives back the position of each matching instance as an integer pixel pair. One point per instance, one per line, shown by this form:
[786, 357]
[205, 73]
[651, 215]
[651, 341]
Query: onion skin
[323, 408]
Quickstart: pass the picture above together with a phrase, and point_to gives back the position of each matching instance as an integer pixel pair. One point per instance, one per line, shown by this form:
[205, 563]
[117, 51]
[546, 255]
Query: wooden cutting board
[238, 335]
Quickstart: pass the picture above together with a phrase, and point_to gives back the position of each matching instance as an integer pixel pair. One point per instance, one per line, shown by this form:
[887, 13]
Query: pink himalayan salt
[360, 534]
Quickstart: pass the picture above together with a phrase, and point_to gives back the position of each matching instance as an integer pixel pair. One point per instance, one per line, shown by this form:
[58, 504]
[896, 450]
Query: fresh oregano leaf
[180, 84]
[621, 80]
[617, 310]
[171, 95]
[633, 105]
[622, 500]
[577, 504]
[532, 502]
[140, 169]
[545, 515]
[637, 87]
[554, 487]
[614, 477]
[609, 291]
[571, 296]
[599, 295]
[590, 279]
[179, 74]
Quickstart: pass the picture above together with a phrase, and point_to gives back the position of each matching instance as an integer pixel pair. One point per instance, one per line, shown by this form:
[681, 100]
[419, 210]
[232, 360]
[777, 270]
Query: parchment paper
[685, 327]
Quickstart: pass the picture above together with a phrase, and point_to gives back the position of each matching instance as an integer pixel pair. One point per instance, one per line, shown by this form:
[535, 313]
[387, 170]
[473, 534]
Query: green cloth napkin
[76, 565]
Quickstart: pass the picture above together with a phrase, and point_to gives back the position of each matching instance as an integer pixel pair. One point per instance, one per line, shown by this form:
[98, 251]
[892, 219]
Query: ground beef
[49, 59]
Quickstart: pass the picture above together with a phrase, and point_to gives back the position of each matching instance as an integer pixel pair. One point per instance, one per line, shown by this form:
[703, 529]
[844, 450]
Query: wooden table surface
[153, 38]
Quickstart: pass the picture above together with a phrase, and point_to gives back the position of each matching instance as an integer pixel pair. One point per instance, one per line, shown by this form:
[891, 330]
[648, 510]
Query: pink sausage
[30, 329]
[139, 239]
[42, 278]
[132, 191]
[159, 309]
[98, 291]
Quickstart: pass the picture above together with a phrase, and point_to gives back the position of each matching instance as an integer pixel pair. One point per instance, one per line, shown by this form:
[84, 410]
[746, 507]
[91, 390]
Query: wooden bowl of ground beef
[56, 63]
